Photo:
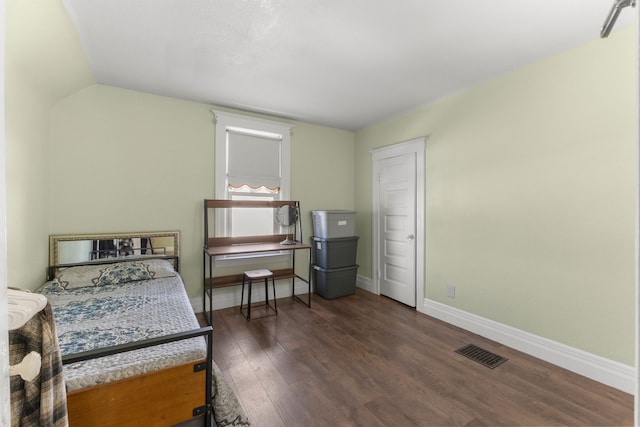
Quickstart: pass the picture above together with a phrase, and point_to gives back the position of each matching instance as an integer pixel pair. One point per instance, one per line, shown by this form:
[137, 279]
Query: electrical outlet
[451, 291]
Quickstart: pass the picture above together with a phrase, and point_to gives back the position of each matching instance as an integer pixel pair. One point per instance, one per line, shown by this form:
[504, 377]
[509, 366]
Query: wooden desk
[219, 246]
[222, 246]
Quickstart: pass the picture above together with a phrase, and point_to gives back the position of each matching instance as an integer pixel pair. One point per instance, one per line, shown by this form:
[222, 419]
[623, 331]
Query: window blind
[253, 160]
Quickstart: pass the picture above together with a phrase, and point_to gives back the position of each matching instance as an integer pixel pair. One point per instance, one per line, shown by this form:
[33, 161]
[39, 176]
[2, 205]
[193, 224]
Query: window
[252, 162]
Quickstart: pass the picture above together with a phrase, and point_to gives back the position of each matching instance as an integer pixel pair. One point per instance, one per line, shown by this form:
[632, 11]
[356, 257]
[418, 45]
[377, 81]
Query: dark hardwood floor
[366, 360]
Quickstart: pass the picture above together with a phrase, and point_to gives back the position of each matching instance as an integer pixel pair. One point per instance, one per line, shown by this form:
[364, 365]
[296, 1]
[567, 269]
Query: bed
[132, 349]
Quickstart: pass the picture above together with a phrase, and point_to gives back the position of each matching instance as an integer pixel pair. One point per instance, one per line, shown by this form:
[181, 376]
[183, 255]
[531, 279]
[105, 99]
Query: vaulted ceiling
[340, 63]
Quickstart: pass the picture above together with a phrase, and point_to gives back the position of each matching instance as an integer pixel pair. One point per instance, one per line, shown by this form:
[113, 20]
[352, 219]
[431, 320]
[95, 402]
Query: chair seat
[258, 274]
[251, 276]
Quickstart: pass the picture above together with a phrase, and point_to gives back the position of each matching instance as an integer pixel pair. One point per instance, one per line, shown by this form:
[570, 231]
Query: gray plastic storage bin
[335, 282]
[331, 224]
[335, 253]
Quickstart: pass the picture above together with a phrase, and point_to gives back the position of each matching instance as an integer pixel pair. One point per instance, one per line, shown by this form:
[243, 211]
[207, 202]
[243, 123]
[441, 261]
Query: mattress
[93, 317]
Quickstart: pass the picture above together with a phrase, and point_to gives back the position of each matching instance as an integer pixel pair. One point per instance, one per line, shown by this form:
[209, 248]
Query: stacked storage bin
[334, 253]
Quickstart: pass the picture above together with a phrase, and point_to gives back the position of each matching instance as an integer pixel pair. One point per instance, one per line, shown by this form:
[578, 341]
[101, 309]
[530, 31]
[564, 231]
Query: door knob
[411, 237]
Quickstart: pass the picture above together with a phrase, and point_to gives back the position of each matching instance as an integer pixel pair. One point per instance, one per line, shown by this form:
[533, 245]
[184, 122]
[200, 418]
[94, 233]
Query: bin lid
[333, 239]
[333, 270]
[333, 211]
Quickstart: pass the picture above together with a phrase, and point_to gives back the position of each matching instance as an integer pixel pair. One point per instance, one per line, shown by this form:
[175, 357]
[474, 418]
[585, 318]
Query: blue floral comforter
[98, 316]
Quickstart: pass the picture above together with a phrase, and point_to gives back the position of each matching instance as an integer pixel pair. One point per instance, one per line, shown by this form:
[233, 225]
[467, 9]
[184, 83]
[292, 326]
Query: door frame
[415, 146]
[5, 389]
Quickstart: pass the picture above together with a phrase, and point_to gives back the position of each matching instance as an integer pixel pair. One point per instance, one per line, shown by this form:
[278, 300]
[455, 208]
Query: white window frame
[225, 121]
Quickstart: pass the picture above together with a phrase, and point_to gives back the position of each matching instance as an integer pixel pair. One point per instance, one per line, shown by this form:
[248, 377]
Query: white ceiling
[340, 63]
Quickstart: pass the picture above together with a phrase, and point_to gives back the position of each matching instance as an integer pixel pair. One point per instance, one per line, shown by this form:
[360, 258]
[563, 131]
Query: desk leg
[307, 281]
[206, 291]
[210, 317]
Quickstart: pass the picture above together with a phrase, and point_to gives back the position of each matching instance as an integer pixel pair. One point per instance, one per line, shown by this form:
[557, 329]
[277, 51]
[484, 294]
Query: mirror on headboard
[78, 248]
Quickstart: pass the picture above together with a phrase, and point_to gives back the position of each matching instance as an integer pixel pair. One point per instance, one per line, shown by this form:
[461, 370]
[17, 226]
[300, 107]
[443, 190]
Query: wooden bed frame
[166, 397]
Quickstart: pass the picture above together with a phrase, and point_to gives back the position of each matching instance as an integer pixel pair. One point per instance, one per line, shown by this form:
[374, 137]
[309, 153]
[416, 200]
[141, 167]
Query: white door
[397, 227]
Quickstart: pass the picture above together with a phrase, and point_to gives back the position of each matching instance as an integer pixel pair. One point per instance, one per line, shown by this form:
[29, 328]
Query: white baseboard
[611, 373]
[598, 368]
[365, 283]
[230, 296]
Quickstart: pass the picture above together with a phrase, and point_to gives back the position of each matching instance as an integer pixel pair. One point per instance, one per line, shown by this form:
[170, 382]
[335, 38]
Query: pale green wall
[44, 62]
[88, 158]
[323, 169]
[530, 196]
[106, 159]
[27, 189]
[130, 161]
[530, 182]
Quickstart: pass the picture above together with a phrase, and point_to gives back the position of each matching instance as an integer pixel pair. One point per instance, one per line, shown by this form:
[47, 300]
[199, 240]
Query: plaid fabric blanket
[43, 401]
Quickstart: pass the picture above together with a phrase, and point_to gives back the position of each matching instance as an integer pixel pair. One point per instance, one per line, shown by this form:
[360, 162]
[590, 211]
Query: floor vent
[480, 355]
